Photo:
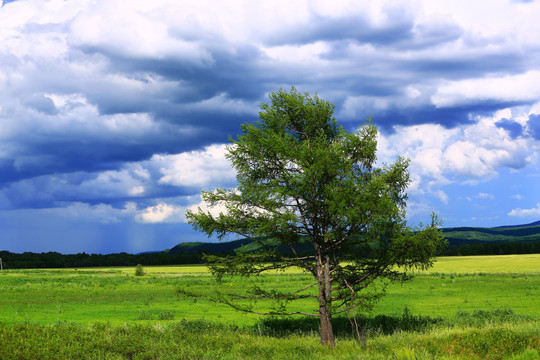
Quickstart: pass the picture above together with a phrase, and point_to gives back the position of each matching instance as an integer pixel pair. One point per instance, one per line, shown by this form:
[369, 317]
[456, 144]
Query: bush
[139, 270]
[166, 315]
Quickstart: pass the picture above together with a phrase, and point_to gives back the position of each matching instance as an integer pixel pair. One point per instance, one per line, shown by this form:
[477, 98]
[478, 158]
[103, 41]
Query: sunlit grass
[529, 263]
[49, 312]
[116, 295]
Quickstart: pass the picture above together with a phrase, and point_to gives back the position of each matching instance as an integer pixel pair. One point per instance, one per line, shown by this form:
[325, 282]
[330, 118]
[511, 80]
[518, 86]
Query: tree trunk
[325, 285]
[327, 333]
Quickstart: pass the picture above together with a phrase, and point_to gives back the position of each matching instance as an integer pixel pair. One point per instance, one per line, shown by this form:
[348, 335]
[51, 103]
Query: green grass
[90, 297]
[461, 310]
[201, 340]
[116, 296]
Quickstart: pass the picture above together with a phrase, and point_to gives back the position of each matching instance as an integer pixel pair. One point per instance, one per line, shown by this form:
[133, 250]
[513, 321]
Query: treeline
[30, 260]
[492, 248]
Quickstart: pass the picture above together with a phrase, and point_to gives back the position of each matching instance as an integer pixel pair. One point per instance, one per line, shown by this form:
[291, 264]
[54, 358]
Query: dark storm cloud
[238, 74]
[43, 155]
[457, 66]
[399, 28]
[182, 103]
[358, 27]
[244, 75]
[50, 191]
[449, 117]
[186, 88]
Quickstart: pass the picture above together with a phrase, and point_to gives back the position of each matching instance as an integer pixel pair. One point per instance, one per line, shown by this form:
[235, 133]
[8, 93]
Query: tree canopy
[304, 179]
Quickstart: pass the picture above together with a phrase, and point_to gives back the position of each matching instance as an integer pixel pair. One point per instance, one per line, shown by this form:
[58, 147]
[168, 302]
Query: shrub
[166, 315]
[139, 270]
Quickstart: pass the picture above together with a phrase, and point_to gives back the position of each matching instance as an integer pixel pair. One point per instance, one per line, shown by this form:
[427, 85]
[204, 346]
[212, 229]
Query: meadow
[463, 307]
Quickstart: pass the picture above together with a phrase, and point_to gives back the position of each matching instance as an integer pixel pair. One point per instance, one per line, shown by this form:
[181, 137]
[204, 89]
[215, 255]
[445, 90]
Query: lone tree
[303, 180]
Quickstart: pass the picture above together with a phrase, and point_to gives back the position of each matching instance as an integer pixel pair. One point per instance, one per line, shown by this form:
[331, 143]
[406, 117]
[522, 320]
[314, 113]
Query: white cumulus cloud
[170, 213]
[442, 155]
[526, 212]
[196, 168]
[162, 212]
[523, 87]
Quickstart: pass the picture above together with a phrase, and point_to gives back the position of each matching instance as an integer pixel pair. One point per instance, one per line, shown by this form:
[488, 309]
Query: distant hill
[456, 236]
[468, 235]
[225, 247]
[215, 248]
[520, 239]
[514, 226]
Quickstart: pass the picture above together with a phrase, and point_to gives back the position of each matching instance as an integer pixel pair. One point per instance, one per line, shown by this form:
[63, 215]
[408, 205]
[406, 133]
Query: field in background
[529, 263]
[488, 264]
[493, 299]
[115, 295]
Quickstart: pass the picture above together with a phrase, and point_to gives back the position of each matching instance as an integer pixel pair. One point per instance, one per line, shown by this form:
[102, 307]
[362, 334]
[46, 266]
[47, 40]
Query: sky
[115, 115]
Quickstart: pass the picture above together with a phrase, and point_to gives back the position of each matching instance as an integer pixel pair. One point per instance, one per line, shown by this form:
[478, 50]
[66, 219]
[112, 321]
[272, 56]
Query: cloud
[169, 213]
[443, 159]
[133, 34]
[526, 212]
[196, 168]
[107, 187]
[442, 196]
[514, 128]
[522, 88]
[416, 209]
[485, 196]
[160, 213]
[162, 176]
[389, 26]
[109, 102]
[442, 155]
[178, 90]
[78, 212]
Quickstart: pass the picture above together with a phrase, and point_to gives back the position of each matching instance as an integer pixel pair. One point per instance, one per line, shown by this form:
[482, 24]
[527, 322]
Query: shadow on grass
[386, 325]
[380, 324]
[280, 327]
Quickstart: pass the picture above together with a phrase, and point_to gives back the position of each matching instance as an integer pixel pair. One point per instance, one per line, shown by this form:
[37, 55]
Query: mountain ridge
[514, 226]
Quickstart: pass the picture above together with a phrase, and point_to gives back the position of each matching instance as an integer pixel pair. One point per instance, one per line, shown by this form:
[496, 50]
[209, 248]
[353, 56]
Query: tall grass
[506, 336]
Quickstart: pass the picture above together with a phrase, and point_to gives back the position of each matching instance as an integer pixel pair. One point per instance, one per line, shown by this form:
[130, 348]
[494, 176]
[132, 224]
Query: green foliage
[139, 270]
[156, 315]
[489, 247]
[28, 260]
[479, 318]
[302, 178]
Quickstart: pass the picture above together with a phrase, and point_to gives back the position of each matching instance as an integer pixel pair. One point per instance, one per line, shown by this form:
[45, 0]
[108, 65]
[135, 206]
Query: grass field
[486, 298]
